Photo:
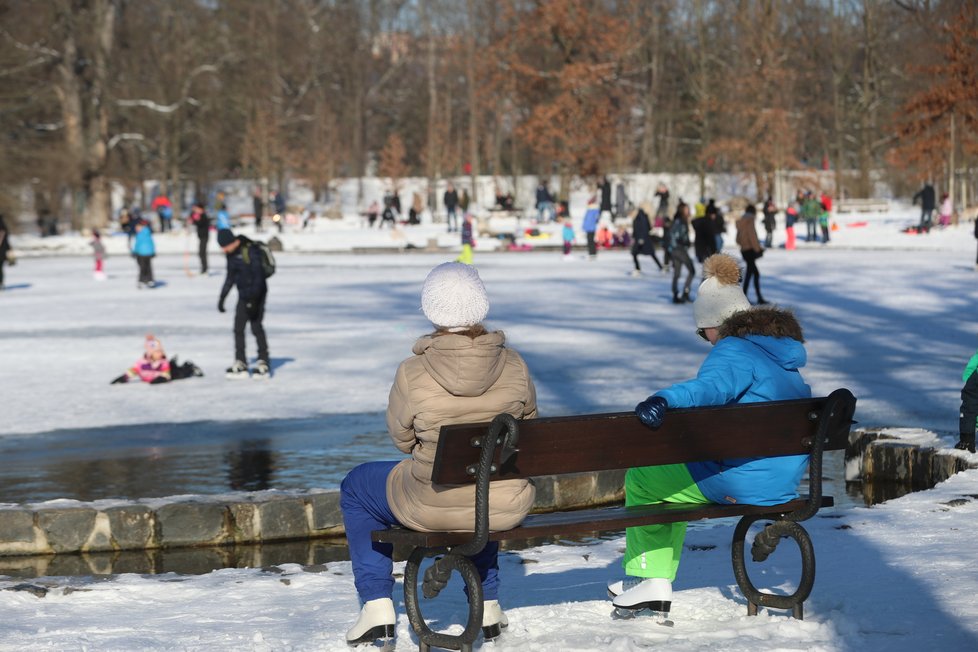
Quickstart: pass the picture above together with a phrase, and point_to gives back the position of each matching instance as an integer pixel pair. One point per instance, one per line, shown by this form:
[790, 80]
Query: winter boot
[686, 298]
[676, 298]
[651, 596]
[238, 370]
[376, 622]
[260, 372]
[493, 620]
[966, 443]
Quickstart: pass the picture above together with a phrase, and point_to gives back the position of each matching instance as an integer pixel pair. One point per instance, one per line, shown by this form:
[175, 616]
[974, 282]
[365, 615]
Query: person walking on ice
[246, 272]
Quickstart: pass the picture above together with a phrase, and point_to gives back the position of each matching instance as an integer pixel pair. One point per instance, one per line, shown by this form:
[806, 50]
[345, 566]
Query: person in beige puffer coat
[461, 373]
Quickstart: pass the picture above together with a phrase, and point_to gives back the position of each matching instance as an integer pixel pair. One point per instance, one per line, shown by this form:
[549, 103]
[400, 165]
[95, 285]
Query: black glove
[651, 411]
[158, 380]
[220, 305]
[124, 378]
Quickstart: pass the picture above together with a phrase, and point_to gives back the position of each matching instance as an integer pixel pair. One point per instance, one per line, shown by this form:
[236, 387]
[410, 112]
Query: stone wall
[234, 520]
[876, 458]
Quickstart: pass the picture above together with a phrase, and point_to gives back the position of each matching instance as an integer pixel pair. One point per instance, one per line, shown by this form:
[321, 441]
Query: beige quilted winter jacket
[454, 379]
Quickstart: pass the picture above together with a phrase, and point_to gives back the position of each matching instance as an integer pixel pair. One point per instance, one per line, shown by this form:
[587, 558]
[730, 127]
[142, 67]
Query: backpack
[267, 258]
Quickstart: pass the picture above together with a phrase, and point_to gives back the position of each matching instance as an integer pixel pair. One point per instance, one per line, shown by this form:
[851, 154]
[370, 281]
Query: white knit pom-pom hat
[719, 296]
[453, 297]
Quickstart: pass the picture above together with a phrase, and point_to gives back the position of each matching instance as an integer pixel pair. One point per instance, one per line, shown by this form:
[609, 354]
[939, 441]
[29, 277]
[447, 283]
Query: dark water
[202, 457]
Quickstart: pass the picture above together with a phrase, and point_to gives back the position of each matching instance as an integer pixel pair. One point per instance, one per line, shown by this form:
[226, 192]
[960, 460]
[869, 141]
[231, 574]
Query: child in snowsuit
[461, 372]
[568, 236]
[969, 406]
[154, 368]
[756, 356]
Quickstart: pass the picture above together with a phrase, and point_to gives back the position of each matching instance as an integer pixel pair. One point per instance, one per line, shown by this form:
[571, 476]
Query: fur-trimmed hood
[763, 321]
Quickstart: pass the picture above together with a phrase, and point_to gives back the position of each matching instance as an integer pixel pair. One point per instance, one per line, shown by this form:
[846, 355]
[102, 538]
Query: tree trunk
[473, 105]
[81, 90]
[432, 164]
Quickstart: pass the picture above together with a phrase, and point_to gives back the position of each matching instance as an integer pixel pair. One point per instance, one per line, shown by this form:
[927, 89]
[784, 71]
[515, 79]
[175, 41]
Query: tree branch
[115, 140]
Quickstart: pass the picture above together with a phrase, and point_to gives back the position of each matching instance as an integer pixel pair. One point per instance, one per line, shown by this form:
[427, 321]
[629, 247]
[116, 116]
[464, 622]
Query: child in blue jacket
[756, 356]
[144, 249]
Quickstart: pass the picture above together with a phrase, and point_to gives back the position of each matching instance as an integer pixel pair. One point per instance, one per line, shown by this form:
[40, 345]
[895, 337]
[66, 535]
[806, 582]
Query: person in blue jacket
[143, 249]
[756, 356]
[590, 225]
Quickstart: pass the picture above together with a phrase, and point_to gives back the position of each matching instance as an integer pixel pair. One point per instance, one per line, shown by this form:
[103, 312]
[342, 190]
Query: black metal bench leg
[764, 544]
[473, 583]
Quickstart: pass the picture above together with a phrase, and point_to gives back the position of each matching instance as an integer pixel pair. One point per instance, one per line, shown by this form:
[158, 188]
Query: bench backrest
[619, 440]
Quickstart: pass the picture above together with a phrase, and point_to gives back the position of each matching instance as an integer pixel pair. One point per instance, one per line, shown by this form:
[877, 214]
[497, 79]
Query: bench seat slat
[590, 520]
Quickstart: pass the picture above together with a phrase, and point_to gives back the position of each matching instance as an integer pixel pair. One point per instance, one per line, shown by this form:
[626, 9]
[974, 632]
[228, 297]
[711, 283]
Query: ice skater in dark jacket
[246, 273]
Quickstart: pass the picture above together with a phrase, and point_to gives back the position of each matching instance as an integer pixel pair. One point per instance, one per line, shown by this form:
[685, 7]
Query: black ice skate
[260, 371]
[238, 370]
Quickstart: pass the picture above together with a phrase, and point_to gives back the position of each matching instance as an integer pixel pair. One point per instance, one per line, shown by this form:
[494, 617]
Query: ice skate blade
[658, 617]
[381, 636]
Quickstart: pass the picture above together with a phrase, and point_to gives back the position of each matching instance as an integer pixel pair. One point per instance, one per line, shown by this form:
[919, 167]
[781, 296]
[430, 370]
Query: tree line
[192, 91]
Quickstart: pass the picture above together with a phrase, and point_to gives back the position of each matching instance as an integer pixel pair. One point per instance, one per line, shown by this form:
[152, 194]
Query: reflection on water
[204, 457]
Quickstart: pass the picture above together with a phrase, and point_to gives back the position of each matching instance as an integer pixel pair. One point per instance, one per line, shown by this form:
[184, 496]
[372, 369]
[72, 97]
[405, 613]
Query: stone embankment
[232, 520]
[878, 458]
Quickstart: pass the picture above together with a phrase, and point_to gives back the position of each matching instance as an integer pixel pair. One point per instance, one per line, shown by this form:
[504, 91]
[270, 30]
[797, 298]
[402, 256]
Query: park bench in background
[575, 444]
[843, 206]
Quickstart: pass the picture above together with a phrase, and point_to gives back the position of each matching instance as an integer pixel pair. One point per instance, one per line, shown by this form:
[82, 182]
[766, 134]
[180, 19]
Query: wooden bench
[560, 445]
[862, 206]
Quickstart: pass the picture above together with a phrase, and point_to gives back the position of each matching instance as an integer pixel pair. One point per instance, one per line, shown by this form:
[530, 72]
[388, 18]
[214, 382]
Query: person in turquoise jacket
[144, 249]
[756, 356]
[969, 406]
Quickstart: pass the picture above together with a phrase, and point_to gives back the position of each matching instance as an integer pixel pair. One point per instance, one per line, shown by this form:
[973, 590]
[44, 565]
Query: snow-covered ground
[886, 314]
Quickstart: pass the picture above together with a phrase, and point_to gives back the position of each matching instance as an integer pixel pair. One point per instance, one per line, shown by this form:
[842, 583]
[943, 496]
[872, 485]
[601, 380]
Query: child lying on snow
[154, 368]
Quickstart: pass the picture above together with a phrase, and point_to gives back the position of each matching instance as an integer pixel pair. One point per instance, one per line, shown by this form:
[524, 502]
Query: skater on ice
[245, 271]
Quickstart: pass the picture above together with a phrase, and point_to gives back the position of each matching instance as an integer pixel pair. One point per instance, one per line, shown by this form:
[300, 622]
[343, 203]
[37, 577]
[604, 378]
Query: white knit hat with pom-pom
[453, 297]
[719, 295]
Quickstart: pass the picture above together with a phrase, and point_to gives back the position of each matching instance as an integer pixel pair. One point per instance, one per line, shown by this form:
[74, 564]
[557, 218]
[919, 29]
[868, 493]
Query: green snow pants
[654, 550]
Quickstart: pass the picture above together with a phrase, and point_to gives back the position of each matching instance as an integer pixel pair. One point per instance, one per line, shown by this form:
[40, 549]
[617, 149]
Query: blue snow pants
[363, 499]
